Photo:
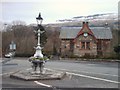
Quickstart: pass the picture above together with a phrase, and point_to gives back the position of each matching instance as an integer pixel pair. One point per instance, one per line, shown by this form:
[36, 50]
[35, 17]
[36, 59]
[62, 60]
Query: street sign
[12, 46]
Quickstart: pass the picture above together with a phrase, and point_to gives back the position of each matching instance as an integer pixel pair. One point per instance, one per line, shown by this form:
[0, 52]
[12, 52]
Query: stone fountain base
[29, 75]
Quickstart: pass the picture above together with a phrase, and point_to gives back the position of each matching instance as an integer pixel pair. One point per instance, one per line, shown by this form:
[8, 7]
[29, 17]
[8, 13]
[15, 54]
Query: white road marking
[100, 74]
[101, 79]
[88, 72]
[6, 73]
[42, 84]
[12, 72]
[91, 77]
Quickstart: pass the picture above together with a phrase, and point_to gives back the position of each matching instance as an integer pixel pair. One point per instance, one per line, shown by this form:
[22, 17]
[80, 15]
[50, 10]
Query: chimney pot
[83, 23]
[86, 22]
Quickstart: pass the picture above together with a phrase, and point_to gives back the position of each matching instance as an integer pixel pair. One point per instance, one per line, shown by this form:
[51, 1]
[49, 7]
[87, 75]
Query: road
[80, 74]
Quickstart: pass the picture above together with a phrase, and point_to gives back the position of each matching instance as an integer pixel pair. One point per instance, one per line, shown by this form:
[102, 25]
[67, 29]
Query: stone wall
[106, 48]
[79, 51]
[65, 47]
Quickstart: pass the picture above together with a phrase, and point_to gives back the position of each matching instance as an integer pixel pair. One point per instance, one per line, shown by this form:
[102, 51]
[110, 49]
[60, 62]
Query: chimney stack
[106, 24]
[85, 23]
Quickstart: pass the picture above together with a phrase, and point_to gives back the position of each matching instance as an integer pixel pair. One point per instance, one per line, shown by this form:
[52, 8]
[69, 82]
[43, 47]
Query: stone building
[85, 40]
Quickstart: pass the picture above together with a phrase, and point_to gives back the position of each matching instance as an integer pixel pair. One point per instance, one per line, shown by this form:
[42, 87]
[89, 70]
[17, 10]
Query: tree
[43, 36]
[52, 45]
[22, 35]
[18, 22]
[117, 50]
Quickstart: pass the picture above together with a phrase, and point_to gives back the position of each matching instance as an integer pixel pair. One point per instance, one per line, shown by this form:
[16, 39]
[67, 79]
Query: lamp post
[38, 52]
[38, 59]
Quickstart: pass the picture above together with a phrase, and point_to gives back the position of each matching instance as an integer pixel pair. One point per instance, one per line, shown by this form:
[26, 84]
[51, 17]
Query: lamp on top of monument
[39, 19]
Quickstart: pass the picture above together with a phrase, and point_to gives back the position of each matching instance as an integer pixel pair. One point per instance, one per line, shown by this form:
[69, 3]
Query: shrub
[38, 58]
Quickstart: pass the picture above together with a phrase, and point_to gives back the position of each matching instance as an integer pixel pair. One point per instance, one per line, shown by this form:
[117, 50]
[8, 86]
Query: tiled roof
[99, 32]
[102, 32]
[69, 32]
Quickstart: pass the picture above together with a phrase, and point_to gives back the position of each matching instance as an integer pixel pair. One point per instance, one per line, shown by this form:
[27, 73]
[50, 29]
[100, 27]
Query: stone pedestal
[29, 75]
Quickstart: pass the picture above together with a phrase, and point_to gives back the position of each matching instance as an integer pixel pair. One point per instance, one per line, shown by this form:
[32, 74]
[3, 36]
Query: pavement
[90, 60]
[30, 75]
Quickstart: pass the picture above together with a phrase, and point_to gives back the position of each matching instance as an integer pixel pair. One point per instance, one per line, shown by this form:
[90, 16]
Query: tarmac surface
[79, 74]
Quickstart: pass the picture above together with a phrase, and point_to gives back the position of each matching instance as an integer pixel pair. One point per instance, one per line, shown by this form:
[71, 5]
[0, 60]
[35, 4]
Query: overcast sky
[52, 10]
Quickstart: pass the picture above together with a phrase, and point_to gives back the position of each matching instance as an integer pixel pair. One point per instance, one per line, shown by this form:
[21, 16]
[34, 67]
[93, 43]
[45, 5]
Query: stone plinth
[29, 75]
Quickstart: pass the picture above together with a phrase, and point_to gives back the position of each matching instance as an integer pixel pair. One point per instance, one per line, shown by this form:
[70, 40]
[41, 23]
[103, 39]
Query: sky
[52, 10]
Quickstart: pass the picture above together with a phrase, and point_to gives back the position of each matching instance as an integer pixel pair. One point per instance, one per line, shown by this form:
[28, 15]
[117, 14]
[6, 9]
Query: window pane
[88, 45]
[83, 45]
